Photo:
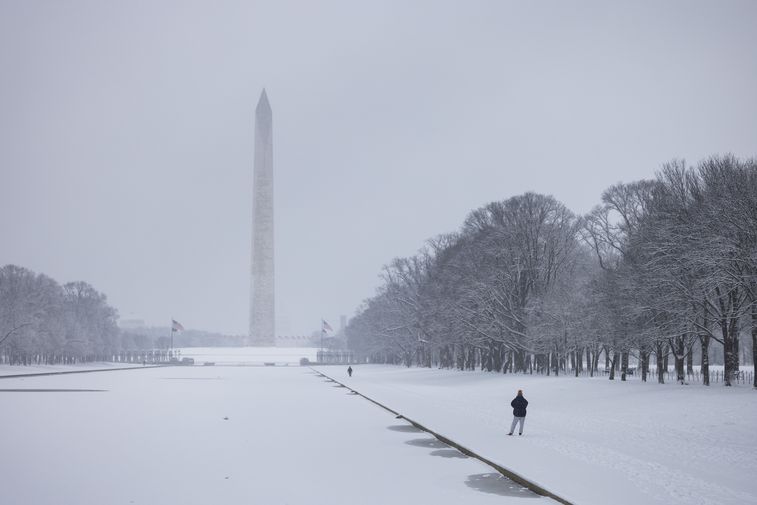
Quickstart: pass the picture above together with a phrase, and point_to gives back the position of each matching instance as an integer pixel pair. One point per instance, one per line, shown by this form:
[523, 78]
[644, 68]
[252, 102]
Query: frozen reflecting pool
[231, 435]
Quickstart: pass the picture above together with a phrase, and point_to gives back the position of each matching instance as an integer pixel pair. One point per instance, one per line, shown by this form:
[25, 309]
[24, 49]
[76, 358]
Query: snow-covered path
[590, 441]
[230, 435]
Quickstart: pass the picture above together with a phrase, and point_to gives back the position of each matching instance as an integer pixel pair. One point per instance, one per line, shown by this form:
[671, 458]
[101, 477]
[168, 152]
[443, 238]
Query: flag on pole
[176, 325]
[325, 326]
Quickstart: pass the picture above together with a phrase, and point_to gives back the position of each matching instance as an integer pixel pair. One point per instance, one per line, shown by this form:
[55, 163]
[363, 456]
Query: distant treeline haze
[43, 322]
[659, 270]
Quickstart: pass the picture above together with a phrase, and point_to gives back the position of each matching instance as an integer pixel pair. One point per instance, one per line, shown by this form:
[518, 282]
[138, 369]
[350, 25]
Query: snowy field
[591, 441]
[34, 369]
[223, 435]
[159, 436]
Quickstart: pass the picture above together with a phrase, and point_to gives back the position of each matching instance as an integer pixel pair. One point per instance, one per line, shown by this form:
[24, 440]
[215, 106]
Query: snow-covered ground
[222, 435]
[34, 369]
[590, 441]
[159, 436]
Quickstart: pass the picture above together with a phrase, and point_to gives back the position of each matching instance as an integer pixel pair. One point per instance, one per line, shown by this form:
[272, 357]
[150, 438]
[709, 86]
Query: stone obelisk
[262, 316]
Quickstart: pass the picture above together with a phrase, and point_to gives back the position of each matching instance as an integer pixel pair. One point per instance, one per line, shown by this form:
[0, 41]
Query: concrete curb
[41, 374]
[536, 488]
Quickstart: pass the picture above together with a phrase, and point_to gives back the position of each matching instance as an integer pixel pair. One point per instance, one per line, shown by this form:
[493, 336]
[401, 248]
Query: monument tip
[263, 104]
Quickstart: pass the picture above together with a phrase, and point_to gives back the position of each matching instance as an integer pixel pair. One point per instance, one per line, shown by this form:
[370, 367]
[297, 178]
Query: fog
[126, 132]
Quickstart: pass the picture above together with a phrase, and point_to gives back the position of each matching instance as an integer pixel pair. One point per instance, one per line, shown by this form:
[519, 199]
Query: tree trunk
[577, 355]
[518, 361]
[623, 365]
[690, 358]
[612, 365]
[729, 326]
[662, 366]
[498, 357]
[754, 341]
[644, 358]
[573, 360]
[678, 349]
[589, 362]
[734, 330]
[556, 362]
[666, 360]
[704, 338]
[727, 350]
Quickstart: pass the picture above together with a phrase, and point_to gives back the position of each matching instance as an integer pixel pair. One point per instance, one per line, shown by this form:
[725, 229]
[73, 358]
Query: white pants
[517, 420]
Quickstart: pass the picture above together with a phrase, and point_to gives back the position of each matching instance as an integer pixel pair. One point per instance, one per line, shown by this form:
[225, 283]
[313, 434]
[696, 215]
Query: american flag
[176, 325]
[325, 326]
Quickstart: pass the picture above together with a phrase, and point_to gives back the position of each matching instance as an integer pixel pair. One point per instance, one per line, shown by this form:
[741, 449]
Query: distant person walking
[349, 371]
[519, 405]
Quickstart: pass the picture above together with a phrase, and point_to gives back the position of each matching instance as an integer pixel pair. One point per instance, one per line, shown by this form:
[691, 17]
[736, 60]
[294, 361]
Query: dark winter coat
[519, 405]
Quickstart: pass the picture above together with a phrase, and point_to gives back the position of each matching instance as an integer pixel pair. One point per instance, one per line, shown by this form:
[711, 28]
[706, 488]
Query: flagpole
[321, 337]
[171, 336]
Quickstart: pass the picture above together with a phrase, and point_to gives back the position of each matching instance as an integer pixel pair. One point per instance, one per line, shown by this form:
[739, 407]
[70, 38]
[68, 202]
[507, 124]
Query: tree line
[44, 322]
[660, 271]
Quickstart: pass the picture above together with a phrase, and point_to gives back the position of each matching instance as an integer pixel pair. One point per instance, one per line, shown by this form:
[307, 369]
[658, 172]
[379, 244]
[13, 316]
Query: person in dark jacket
[519, 405]
[349, 371]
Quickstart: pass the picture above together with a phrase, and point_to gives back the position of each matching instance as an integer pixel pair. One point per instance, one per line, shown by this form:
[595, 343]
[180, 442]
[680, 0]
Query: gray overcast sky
[126, 132]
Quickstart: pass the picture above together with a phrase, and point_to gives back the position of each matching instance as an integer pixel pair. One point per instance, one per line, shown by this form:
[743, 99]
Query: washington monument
[262, 330]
